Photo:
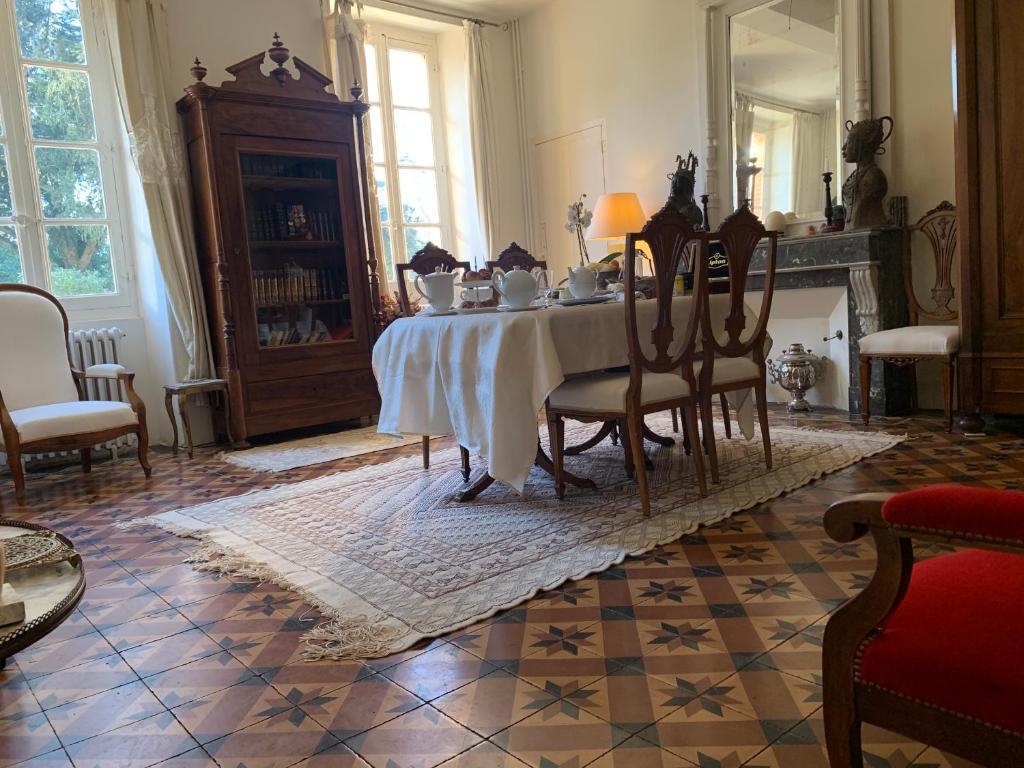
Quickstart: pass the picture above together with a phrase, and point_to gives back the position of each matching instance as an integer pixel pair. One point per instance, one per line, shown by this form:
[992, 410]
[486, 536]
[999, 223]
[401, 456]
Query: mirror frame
[854, 33]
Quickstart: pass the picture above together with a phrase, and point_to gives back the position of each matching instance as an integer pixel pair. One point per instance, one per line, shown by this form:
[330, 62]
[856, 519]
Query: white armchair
[42, 398]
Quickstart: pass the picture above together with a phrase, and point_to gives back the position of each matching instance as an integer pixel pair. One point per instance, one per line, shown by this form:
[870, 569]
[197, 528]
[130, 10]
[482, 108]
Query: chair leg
[913, 387]
[842, 733]
[710, 446]
[556, 437]
[143, 439]
[464, 455]
[725, 414]
[675, 420]
[687, 445]
[425, 450]
[865, 389]
[634, 422]
[947, 392]
[86, 454]
[761, 393]
[627, 450]
[17, 472]
[690, 422]
[615, 433]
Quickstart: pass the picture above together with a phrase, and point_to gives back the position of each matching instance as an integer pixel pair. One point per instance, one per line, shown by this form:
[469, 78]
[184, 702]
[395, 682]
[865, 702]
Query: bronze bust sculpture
[684, 180]
[866, 187]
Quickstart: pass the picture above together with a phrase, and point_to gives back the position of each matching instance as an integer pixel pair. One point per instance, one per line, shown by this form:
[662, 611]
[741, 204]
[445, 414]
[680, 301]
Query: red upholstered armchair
[933, 650]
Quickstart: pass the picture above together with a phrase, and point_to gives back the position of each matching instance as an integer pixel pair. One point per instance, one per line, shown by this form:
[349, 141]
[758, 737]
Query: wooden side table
[185, 388]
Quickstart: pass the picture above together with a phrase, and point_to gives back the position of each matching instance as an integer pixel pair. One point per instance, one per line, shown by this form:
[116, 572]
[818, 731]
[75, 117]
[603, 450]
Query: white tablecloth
[485, 377]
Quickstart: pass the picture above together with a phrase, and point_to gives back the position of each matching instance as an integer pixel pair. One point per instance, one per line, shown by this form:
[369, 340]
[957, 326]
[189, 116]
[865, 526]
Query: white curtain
[809, 143]
[135, 31]
[346, 38]
[481, 124]
[743, 125]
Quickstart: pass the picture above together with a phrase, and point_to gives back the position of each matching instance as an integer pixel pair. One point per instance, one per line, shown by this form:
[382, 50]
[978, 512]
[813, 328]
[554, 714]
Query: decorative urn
[796, 371]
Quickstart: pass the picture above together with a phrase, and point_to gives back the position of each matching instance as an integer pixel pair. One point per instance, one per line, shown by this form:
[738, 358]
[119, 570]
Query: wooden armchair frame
[848, 702]
[82, 441]
[423, 262]
[516, 256]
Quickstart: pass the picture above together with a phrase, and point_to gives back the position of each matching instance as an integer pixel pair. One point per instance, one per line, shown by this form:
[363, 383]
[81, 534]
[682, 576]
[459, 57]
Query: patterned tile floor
[704, 652]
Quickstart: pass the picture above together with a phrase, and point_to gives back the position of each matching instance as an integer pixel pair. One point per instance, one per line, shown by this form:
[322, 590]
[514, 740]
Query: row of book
[295, 285]
[281, 222]
[305, 331]
[294, 336]
[288, 167]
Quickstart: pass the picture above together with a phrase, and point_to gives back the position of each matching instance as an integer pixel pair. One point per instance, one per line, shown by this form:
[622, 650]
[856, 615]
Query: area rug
[389, 557]
[280, 457]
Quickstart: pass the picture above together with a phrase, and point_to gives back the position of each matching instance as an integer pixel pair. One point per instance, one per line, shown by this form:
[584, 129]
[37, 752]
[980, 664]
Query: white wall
[922, 166]
[633, 65]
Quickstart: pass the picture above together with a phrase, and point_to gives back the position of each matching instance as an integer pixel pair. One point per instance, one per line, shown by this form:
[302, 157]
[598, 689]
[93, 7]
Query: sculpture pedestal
[869, 264]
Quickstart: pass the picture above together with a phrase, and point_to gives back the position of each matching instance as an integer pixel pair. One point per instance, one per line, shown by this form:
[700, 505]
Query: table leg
[543, 461]
[168, 397]
[183, 409]
[575, 450]
[649, 434]
[226, 399]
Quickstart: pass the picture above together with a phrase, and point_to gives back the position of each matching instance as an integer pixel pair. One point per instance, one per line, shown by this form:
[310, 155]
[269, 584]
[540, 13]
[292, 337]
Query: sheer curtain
[743, 124]
[346, 37]
[809, 143]
[134, 30]
[481, 124]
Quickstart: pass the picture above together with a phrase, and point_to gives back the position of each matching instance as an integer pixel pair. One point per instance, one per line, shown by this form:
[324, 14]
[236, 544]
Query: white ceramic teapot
[518, 288]
[438, 289]
[582, 282]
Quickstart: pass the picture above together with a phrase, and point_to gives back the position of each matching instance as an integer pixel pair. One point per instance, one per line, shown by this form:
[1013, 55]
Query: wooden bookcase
[282, 221]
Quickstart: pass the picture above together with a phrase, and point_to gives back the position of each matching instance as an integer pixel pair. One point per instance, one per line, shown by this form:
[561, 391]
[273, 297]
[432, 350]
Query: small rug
[315, 450]
[390, 557]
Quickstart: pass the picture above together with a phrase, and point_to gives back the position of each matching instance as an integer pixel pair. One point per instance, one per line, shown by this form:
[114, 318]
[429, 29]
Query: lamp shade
[615, 215]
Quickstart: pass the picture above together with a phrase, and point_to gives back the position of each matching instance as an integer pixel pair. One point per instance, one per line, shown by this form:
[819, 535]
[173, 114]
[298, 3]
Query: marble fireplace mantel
[869, 264]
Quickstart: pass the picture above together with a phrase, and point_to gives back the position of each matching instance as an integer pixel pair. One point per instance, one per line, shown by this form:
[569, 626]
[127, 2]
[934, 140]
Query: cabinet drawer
[1003, 385]
[326, 391]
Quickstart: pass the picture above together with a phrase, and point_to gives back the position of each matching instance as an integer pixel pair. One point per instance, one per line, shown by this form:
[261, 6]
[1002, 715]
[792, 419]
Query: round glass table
[49, 589]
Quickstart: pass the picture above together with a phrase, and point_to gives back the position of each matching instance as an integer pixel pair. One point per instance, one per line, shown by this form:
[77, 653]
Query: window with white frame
[407, 128]
[58, 212]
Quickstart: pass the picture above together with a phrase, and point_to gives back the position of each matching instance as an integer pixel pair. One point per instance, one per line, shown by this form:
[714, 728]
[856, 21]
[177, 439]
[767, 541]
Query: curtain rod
[437, 12]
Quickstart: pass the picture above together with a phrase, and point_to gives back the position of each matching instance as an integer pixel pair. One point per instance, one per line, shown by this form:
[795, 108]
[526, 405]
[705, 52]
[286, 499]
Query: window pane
[376, 134]
[409, 84]
[79, 257]
[69, 183]
[6, 209]
[10, 261]
[419, 196]
[380, 177]
[414, 137]
[389, 254]
[59, 104]
[372, 83]
[417, 237]
[50, 29]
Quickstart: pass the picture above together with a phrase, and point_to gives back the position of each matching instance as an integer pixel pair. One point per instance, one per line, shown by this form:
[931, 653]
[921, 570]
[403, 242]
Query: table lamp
[616, 214]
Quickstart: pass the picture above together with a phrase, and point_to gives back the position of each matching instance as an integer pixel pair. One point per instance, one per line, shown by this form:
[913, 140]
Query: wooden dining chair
[424, 262]
[655, 382]
[516, 256]
[731, 357]
[908, 346]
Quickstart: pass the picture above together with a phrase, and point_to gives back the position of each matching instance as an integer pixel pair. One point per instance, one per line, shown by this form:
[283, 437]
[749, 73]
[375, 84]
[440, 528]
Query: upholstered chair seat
[606, 392]
[913, 340]
[730, 369]
[42, 422]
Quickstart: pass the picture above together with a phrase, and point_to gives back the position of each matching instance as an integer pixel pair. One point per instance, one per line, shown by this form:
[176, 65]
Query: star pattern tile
[703, 652]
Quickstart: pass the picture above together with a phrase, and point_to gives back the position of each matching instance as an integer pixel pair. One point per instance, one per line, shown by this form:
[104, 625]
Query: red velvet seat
[956, 640]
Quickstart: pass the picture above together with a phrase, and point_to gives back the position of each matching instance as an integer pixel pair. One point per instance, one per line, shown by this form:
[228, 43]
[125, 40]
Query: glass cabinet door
[300, 281]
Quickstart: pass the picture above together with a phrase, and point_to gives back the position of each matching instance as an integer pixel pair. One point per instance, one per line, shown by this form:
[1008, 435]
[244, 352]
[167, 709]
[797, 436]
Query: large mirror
[785, 96]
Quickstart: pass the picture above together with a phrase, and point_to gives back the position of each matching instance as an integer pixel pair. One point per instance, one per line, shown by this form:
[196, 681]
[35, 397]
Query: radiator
[92, 347]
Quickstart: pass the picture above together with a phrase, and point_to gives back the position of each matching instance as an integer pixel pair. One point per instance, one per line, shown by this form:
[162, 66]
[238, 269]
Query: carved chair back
[939, 227]
[739, 235]
[670, 239]
[516, 256]
[36, 367]
[423, 262]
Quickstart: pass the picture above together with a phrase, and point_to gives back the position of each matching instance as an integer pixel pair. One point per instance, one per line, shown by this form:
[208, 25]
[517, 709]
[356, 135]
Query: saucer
[432, 313]
[507, 308]
[474, 310]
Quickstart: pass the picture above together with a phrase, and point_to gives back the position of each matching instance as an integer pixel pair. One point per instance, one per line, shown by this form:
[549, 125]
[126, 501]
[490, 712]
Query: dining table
[484, 376]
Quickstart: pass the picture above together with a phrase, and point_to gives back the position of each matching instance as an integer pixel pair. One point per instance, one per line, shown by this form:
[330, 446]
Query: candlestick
[827, 178]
